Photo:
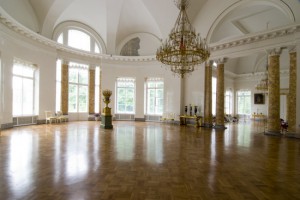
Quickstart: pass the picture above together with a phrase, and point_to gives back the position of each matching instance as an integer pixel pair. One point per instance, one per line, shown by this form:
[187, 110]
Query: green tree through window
[78, 87]
[125, 88]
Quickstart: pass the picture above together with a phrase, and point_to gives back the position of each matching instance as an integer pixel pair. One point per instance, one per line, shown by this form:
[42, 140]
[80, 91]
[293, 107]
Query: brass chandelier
[263, 85]
[184, 49]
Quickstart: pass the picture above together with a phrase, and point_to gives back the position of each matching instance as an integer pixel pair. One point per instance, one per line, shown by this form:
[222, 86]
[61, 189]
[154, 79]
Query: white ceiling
[115, 20]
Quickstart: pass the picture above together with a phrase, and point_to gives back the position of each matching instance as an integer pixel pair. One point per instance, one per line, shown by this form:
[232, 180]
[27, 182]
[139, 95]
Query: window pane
[58, 70]
[79, 40]
[25, 71]
[58, 85]
[97, 50]
[151, 84]
[214, 91]
[27, 96]
[60, 38]
[154, 97]
[97, 87]
[58, 96]
[244, 102]
[82, 98]
[17, 96]
[72, 98]
[23, 89]
[125, 95]
[73, 75]
[83, 76]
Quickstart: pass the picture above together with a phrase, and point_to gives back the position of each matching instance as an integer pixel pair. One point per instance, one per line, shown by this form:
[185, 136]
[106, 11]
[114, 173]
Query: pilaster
[91, 90]
[292, 97]
[64, 88]
[273, 121]
[220, 94]
[208, 95]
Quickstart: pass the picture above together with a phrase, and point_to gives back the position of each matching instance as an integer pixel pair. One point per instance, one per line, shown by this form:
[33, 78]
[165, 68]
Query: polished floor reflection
[140, 160]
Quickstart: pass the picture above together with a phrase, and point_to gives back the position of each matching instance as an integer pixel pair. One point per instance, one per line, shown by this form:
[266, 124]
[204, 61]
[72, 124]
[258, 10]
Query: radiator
[124, 117]
[24, 120]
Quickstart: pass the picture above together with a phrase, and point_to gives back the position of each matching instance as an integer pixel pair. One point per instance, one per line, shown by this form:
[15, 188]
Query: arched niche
[246, 17]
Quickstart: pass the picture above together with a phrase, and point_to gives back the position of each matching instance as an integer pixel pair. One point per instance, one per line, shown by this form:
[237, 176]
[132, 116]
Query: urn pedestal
[106, 117]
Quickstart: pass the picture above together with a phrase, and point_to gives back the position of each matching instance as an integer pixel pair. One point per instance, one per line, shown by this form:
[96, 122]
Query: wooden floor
[137, 160]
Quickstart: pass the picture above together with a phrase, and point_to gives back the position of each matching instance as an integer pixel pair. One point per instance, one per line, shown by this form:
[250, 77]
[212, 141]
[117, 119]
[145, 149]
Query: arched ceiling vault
[117, 20]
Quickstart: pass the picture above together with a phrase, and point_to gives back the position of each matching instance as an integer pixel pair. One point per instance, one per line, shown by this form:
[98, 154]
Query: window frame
[243, 96]
[61, 30]
[77, 67]
[155, 88]
[228, 105]
[125, 79]
[23, 77]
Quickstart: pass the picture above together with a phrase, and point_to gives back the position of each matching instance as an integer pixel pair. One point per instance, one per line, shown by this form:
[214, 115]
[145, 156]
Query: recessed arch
[67, 25]
[281, 6]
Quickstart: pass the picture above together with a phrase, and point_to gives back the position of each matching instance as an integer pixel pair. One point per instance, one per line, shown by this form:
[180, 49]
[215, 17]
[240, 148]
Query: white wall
[22, 12]
[193, 89]
[249, 83]
[45, 59]
[140, 72]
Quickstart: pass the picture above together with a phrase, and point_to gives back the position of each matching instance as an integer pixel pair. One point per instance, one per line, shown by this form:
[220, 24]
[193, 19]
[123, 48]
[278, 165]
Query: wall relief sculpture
[131, 47]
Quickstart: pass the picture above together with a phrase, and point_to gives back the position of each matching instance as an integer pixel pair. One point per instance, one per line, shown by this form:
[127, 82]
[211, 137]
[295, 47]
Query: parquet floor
[143, 160]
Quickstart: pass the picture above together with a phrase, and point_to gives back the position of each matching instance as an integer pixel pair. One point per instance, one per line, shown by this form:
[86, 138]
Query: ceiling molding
[258, 75]
[217, 49]
[257, 37]
[15, 26]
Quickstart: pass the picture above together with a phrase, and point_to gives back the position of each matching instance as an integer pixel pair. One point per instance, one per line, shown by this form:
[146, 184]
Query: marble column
[208, 94]
[220, 94]
[92, 90]
[292, 97]
[64, 88]
[273, 123]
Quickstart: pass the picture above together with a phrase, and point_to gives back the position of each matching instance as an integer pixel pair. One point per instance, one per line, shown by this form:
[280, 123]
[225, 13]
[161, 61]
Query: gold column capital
[274, 51]
[292, 49]
[65, 62]
[222, 60]
[209, 63]
[92, 67]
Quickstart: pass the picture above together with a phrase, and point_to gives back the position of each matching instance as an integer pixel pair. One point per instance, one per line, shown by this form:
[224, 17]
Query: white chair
[61, 117]
[50, 117]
